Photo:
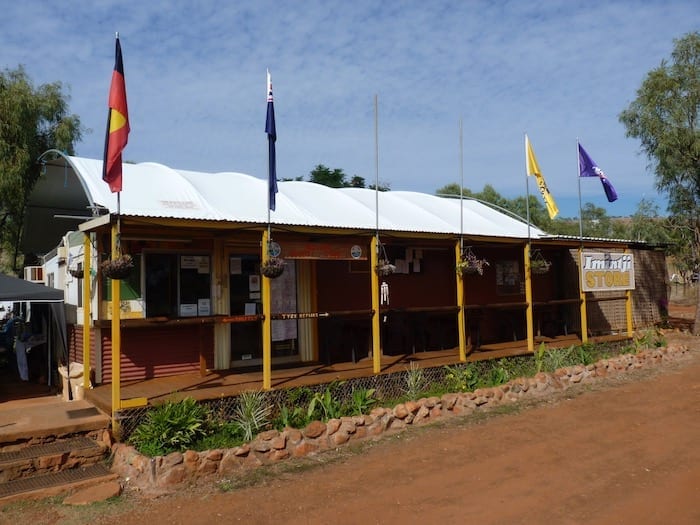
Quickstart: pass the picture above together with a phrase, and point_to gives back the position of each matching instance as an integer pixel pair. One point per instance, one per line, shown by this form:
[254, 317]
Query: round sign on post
[273, 249]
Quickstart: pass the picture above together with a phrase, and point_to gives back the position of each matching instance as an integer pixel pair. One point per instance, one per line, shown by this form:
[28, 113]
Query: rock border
[167, 473]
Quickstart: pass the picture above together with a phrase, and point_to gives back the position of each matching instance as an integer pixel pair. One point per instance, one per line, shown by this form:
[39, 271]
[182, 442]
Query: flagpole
[461, 321]
[527, 256]
[269, 166]
[461, 189]
[376, 166]
[374, 254]
[583, 308]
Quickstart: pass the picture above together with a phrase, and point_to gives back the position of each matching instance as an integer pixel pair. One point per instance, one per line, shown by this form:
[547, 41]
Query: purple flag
[271, 139]
[588, 168]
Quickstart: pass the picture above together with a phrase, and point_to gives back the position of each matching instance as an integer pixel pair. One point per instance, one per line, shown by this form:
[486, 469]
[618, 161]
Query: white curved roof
[155, 190]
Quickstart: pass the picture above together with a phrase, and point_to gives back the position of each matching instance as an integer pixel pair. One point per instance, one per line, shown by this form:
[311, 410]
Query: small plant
[649, 339]
[292, 413]
[223, 434]
[362, 401]
[538, 264]
[585, 357]
[539, 357]
[461, 378]
[324, 405]
[171, 427]
[498, 374]
[273, 267]
[470, 263]
[252, 414]
[415, 381]
[78, 273]
[118, 268]
[295, 417]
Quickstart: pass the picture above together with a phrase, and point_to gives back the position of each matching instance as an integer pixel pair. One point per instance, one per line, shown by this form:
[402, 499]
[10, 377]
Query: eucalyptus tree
[664, 118]
[32, 121]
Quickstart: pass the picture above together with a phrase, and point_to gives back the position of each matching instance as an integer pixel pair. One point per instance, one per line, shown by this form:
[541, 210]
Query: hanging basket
[273, 267]
[119, 268]
[538, 264]
[384, 268]
[471, 264]
[78, 273]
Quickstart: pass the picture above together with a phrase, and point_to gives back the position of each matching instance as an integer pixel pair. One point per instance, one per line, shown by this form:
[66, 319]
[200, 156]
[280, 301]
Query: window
[177, 285]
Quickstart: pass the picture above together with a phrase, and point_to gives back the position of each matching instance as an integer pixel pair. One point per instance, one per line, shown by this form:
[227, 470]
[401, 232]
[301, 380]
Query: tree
[517, 206]
[336, 178]
[664, 117]
[324, 175]
[648, 226]
[32, 121]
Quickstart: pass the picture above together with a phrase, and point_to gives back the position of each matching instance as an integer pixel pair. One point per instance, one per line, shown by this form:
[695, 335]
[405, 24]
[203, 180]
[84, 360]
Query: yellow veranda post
[376, 325]
[628, 311]
[582, 297]
[528, 300]
[267, 321]
[87, 267]
[461, 325]
[116, 336]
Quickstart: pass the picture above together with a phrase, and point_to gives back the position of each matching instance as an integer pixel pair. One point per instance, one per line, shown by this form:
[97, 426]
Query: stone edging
[165, 473]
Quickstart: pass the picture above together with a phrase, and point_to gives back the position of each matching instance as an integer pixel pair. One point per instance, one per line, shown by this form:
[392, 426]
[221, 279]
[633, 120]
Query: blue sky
[196, 70]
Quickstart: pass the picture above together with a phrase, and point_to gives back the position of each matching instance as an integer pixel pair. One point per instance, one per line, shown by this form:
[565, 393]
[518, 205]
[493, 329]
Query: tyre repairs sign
[607, 271]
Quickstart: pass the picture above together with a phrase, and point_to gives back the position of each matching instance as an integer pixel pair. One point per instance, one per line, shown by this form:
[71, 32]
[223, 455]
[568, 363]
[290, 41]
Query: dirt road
[623, 451]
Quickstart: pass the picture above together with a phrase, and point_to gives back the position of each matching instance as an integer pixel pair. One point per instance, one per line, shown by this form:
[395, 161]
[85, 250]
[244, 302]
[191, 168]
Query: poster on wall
[607, 271]
[284, 300]
[203, 307]
[507, 277]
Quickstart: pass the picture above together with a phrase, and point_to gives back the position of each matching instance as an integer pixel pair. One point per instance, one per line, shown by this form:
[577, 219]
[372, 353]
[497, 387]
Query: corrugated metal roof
[154, 190]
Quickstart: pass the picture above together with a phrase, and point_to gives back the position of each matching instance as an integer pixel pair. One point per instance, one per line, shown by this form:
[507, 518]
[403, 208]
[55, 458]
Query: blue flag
[271, 139]
[588, 168]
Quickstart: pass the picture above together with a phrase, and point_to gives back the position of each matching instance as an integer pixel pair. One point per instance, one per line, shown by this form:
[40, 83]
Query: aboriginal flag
[117, 126]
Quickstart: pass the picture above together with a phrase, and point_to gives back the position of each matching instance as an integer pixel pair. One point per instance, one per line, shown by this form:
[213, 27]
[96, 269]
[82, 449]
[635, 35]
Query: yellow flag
[534, 169]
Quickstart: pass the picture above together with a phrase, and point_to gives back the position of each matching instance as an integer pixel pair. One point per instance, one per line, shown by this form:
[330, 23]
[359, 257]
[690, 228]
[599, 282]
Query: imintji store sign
[607, 271]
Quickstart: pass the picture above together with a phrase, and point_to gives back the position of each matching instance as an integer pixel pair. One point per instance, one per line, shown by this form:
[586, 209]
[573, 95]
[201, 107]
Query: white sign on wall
[606, 271]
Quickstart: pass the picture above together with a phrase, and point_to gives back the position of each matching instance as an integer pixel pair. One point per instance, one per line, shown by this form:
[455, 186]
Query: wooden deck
[216, 384]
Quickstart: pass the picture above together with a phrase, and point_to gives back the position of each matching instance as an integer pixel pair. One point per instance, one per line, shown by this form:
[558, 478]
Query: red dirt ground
[623, 451]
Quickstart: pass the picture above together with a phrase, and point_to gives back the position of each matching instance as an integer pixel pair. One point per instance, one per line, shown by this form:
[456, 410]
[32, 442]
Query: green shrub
[461, 378]
[498, 375]
[416, 382]
[225, 434]
[294, 417]
[294, 413]
[171, 427]
[252, 414]
[324, 405]
[362, 401]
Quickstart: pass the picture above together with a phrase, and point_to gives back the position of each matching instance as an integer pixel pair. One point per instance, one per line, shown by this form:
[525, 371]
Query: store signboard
[607, 271]
[321, 250]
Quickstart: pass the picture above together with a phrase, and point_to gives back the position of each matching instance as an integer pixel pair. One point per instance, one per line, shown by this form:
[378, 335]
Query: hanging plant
[273, 267]
[470, 263]
[385, 268]
[78, 273]
[538, 264]
[118, 268]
